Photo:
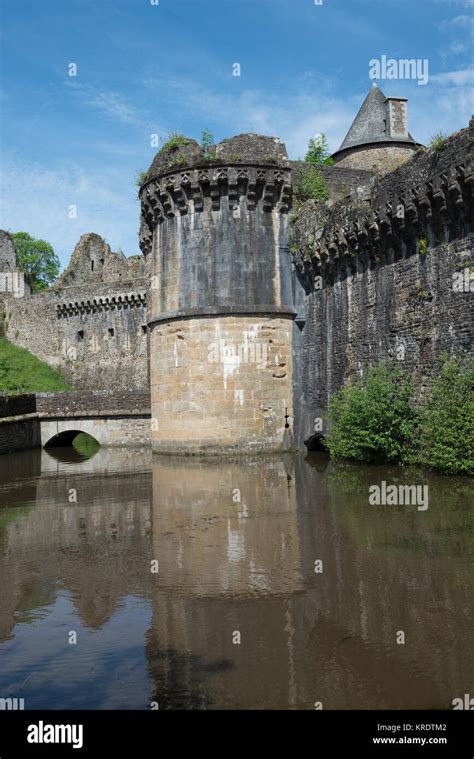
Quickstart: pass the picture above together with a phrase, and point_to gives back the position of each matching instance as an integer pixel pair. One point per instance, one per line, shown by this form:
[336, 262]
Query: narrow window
[92, 265]
[144, 330]
[111, 332]
[80, 334]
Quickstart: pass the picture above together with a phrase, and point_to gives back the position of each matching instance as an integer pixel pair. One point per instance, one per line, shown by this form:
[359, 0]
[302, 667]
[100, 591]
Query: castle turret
[221, 304]
[378, 139]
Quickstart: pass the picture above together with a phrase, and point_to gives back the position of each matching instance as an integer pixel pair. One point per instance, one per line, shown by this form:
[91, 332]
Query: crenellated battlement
[100, 305]
[430, 197]
[197, 188]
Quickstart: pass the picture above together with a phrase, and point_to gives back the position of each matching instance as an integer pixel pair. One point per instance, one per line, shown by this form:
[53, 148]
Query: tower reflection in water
[278, 585]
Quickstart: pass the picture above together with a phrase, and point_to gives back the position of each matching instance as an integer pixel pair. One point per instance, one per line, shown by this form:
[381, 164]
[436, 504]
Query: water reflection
[237, 616]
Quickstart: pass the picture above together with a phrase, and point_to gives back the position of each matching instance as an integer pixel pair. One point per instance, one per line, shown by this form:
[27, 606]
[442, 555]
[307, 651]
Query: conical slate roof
[370, 124]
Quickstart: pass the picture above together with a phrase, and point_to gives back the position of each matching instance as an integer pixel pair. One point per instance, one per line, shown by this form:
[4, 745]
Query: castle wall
[379, 159]
[92, 324]
[250, 323]
[402, 310]
[387, 277]
[71, 331]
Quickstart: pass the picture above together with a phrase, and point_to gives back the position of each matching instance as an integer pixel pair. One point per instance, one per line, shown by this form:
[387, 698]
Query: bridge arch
[65, 438]
[316, 442]
[62, 433]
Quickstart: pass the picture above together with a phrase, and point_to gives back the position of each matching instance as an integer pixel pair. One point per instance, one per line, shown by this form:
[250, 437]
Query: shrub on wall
[447, 419]
[373, 421]
[312, 185]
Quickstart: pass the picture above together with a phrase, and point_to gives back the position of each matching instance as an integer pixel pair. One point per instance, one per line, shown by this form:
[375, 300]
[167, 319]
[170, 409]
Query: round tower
[215, 227]
[378, 139]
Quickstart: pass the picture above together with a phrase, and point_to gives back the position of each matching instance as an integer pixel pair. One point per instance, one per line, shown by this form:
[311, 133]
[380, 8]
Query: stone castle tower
[221, 313]
[378, 139]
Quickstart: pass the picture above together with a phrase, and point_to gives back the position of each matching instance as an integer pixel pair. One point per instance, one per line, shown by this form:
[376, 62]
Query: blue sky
[146, 69]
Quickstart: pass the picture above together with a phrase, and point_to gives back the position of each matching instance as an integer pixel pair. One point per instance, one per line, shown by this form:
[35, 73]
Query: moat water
[279, 586]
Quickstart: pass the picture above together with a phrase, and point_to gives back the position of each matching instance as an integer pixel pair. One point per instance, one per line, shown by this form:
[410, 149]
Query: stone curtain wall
[92, 324]
[96, 341]
[385, 277]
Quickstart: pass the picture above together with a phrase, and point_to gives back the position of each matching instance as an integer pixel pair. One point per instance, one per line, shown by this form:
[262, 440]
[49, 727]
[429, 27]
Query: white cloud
[110, 104]
[461, 21]
[37, 200]
[306, 111]
[456, 78]
[293, 117]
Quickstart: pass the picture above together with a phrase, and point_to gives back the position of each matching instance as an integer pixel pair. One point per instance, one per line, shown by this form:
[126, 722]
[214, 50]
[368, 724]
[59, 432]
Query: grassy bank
[21, 372]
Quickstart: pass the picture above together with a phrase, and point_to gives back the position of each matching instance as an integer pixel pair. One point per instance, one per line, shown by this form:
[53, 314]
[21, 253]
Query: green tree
[373, 421]
[37, 259]
[318, 151]
[447, 420]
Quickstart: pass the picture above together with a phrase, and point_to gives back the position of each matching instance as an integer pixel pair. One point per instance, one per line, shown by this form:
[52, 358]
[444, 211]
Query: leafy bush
[447, 420]
[312, 185]
[373, 421]
[423, 246]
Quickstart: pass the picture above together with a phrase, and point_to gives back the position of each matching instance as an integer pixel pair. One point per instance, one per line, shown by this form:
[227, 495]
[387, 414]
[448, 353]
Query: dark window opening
[92, 265]
[144, 329]
[80, 334]
[111, 332]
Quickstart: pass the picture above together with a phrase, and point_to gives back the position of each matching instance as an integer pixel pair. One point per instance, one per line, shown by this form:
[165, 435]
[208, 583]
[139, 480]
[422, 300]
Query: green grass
[21, 372]
[85, 444]
[174, 142]
[438, 140]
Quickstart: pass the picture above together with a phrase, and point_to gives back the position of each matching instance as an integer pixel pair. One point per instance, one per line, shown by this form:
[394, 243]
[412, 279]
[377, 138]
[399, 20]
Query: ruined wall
[92, 324]
[388, 275]
[13, 283]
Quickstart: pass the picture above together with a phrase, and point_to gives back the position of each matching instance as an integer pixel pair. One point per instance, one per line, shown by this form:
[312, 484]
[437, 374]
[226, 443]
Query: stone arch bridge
[37, 420]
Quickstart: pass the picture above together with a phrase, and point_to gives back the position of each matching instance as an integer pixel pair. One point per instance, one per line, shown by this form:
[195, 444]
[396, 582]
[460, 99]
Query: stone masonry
[221, 302]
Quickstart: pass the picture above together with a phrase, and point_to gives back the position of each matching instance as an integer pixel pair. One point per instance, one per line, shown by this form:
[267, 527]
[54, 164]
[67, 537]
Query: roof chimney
[397, 118]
